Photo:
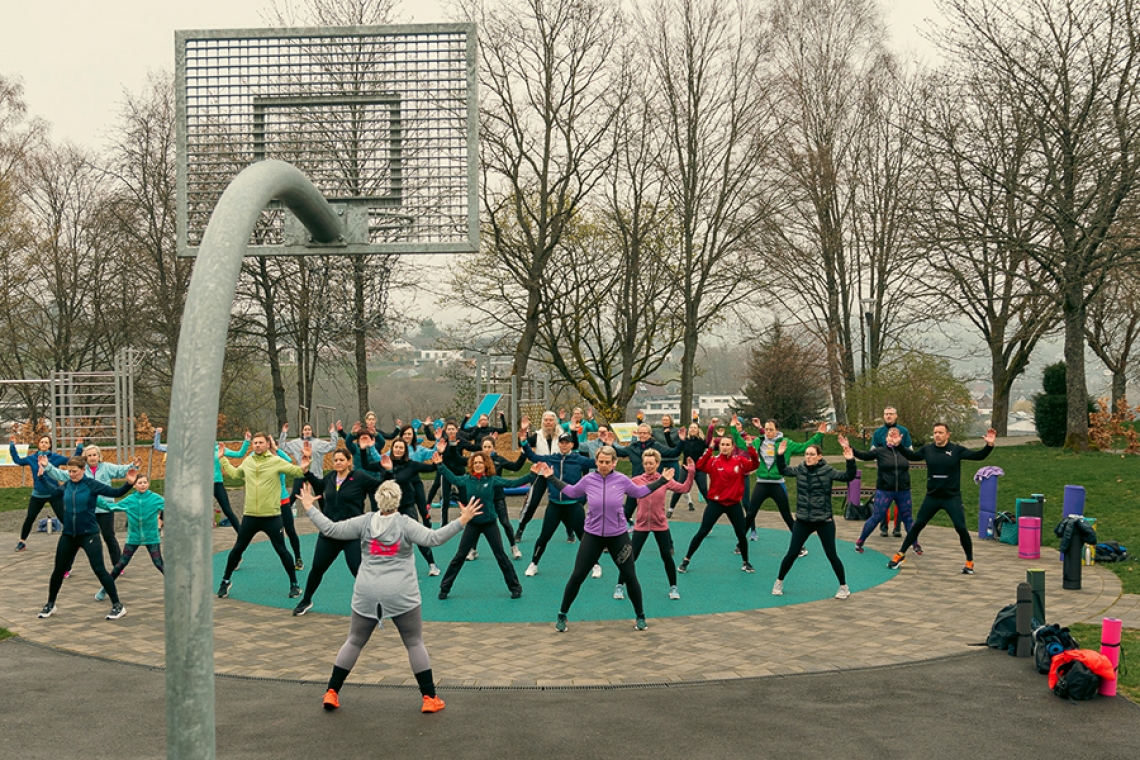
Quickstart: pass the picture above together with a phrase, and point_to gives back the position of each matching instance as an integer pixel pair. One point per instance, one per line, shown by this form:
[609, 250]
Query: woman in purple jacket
[605, 492]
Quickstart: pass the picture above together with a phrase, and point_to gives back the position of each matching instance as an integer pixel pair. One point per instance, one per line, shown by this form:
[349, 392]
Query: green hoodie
[262, 475]
[767, 451]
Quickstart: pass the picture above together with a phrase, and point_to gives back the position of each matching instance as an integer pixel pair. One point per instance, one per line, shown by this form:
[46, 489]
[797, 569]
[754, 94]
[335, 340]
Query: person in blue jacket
[42, 494]
[81, 529]
[144, 525]
[569, 466]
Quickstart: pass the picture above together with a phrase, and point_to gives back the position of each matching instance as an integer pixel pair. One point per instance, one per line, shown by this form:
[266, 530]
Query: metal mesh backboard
[383, 120]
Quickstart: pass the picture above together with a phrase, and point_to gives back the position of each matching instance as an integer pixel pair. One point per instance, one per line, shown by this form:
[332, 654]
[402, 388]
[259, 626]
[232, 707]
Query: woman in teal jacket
[144, 513]
[105, 472]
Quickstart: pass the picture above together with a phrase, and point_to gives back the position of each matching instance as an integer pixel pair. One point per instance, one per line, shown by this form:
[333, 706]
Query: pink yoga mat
[1029, 538]
[1110, 648]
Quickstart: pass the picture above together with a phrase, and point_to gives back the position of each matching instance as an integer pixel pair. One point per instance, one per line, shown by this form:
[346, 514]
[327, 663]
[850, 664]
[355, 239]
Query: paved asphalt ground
[981, 704]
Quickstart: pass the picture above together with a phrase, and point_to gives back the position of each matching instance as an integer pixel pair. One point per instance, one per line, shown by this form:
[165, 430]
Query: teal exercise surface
[714, 583]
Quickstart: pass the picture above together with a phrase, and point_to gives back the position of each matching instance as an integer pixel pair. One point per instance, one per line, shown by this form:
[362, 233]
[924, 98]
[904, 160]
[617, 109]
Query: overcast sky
[76, 57]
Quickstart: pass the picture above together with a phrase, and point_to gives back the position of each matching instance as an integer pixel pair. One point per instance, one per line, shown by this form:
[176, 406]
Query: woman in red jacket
[727, 472]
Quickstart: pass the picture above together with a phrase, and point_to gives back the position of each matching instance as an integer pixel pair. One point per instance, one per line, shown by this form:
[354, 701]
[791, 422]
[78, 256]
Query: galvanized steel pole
[193, 428]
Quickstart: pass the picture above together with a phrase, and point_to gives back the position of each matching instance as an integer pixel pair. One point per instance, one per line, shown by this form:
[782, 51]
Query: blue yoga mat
[486, 406]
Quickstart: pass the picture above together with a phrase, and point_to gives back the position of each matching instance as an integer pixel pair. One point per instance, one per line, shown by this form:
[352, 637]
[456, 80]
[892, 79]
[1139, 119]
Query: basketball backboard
[383, 120]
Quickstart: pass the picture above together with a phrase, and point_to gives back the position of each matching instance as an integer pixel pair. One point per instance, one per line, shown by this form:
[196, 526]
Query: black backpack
[858, 511]
[1003, 633]
[1048, 642]
[1111, 551]
[1076, 681]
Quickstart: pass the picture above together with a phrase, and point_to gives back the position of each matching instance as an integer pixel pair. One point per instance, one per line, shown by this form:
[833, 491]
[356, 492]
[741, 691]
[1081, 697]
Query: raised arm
[982, 453]
[158, 444]
[795, 448]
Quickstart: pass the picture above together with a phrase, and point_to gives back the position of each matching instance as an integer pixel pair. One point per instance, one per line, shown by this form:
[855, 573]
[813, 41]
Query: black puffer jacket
[893, 467]
[813, 487]
[1074, 529]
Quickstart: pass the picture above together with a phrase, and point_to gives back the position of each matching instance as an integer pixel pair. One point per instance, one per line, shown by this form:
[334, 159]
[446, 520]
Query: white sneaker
[674, 593]
[619, 591]
[433, 569]
[515, 552]
[596, 572]
[472, 555]
[843, 592]
[803, 552]
[531, 570]
[778, 588]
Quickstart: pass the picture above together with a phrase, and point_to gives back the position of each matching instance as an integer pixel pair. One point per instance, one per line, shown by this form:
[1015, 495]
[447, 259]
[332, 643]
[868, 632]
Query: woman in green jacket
[769, 482]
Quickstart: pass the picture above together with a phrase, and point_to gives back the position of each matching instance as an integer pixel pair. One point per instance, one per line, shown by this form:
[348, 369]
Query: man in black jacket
[943, 488]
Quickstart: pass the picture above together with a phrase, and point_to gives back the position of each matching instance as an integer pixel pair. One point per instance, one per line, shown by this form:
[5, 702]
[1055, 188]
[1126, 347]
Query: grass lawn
[1129, 683]
[5, 634]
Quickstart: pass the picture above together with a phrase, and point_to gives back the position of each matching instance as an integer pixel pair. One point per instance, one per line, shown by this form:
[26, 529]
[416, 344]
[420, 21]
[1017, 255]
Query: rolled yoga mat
[1074, 504]
[987, 506]
[1029, 538]
[1024, 620]
[1071, 569]
[1036, 580]
[854, 487]
[1110, 648]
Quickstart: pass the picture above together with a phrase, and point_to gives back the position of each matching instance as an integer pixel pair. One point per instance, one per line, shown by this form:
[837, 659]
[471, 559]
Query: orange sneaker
[896, 562]
[968, 569]
[432, 704]
[332, 701]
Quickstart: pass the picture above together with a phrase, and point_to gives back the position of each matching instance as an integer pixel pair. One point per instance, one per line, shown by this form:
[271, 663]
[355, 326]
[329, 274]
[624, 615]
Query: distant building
[707, 405]
[438, 357]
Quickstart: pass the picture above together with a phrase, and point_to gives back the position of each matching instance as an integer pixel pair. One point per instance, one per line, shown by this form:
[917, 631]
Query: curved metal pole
[193, 430]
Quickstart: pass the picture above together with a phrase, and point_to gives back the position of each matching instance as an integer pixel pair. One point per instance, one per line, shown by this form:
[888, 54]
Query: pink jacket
[651, 508]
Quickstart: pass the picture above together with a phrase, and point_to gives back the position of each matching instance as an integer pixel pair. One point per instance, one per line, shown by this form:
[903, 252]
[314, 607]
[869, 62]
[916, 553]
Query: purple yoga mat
[854, 487]
[987, 506]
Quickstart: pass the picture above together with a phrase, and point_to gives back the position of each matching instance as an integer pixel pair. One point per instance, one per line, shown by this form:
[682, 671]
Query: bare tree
[826, 54]
[707, 62]
[141, 166]
[370, 277]
[550, 89]
[977, 149]
[1072, 65]
[1114, 326]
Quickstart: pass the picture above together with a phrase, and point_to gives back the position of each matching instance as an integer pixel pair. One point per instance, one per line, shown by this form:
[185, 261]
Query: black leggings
[106, 522]
[571, 515]
[929, 508]
[65, 552]
[445, 500]
[504, 518]
[533, 498]
[410, 511]
[664, 545]
[35, 506]
[326, 552]
[589, 552]
[223, 500]
[701, 479]
[800, 532]
[713, 511]
[154, 550]
[468, 541]
[435, 485]
[250, 527]
[287, 517]
[763, 491]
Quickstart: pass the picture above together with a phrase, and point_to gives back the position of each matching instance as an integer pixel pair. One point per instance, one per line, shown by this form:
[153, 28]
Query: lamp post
[868, 305]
